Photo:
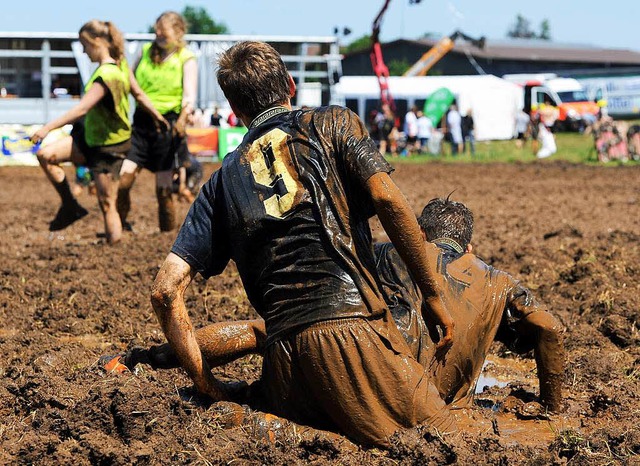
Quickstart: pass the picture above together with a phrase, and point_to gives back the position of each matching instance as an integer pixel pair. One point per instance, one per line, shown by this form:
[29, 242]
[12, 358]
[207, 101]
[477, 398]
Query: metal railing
[206, 47]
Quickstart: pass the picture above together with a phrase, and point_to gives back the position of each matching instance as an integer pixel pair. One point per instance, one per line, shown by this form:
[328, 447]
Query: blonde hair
[179, 26]
[94, 29]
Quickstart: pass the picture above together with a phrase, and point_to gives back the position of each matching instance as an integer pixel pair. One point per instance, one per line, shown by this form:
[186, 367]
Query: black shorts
[153, 150]
[102, 159]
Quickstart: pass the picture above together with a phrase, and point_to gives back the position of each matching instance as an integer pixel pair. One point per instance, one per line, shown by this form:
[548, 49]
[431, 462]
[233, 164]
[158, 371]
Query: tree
[398, 67]
[522, 29]
[357, 45]
[545, 30]
[199, 22]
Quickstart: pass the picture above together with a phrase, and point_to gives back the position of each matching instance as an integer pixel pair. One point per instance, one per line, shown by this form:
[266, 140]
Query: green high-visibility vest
[107, 123]
[162, 82]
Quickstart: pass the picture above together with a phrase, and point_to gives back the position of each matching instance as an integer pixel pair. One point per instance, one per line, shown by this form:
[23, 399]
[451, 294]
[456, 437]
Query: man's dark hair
[253, 77]
[444, 218]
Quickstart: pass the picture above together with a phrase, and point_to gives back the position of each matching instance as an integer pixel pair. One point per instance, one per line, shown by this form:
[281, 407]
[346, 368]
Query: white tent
[494, 101]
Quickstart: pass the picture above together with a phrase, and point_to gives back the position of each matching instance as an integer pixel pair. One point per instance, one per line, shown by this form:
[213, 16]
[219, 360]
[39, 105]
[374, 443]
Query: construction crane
[377, 61]
[439, 50]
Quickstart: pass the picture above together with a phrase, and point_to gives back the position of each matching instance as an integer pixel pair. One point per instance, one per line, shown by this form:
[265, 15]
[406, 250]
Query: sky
[572, 22]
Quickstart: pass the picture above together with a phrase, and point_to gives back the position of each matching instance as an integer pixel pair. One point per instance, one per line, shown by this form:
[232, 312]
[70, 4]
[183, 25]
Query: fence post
[46, 77]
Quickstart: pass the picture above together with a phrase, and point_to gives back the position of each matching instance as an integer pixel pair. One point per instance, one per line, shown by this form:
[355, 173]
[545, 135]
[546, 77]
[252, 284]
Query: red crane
[377, 61]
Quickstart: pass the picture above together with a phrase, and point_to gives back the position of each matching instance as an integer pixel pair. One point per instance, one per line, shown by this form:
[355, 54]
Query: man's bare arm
[400, 223]
[167, 299]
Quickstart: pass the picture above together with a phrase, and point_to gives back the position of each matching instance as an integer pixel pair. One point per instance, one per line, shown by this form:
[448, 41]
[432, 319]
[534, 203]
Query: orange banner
[202, 141]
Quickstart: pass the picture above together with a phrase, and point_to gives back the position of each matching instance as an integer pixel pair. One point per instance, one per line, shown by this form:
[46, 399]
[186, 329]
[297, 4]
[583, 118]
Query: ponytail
[116, 42]
[109, 32]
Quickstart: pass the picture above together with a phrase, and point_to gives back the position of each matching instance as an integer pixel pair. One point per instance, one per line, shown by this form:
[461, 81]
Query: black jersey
[290, 207]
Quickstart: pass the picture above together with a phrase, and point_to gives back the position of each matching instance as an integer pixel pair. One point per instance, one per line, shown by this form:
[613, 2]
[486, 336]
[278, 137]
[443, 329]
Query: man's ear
[292, 86]
[469, 249]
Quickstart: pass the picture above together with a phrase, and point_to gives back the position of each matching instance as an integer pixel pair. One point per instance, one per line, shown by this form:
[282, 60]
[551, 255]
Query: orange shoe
[113, 364]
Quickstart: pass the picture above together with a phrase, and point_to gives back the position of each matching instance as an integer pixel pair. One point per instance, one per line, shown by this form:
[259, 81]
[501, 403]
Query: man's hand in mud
[446, 339]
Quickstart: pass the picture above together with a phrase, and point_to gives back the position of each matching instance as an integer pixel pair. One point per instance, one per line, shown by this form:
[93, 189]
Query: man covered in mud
[486, 304]
[291, 206]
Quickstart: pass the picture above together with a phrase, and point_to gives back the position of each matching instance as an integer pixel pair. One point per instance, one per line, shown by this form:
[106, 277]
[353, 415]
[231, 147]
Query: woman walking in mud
[101, 140]
[167, 72]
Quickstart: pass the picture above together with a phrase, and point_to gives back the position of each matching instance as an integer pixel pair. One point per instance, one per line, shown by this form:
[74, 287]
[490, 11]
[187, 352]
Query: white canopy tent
[494, 101]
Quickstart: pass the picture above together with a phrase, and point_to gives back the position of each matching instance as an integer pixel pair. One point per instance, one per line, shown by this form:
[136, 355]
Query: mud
[570, 233]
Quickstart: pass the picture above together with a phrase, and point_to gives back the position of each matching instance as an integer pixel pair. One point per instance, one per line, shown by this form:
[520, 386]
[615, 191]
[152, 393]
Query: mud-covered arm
[545, 332]
[401, 225]
[95, 93]
[189, 90]
[167, 299]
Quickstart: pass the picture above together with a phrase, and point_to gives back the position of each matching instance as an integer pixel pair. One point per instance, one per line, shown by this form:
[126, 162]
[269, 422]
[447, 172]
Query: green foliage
[398, 67]
[522, 29]
[545, 30]
[357, 45]
[572, 148]
[199, 22]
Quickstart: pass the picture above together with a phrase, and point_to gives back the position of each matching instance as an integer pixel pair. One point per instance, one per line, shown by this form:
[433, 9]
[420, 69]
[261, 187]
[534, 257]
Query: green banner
[437, 104]
[229, 139]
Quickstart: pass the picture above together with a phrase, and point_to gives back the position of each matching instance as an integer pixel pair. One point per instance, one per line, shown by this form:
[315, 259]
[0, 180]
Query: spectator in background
[387, 133]
[522, 128]
[411, 131]
[454, 129]
[467, 132]
[197, 119]
[216, 117]
[547, 141]
[232, 120]
[425, 128]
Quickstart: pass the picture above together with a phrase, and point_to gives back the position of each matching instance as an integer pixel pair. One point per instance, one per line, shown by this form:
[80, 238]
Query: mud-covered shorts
[155, 150]
[103, 159]
[355, 375]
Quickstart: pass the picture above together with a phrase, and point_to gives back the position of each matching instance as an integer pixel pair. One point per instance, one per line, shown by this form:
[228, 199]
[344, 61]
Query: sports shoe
[113, 363]
[66, 216]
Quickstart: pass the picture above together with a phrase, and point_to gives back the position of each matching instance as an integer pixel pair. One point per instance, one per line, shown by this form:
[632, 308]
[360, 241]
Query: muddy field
[571, 233]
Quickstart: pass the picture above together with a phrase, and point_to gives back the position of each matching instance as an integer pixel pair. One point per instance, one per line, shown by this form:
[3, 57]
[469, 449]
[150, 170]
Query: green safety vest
[162, 82]
[107, 123]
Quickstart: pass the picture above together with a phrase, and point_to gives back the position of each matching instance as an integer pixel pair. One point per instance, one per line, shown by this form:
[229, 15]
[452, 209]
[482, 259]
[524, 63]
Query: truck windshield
[573, 96]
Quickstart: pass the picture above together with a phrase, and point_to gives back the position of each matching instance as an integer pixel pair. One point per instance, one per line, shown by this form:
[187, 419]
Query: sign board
[229, 139]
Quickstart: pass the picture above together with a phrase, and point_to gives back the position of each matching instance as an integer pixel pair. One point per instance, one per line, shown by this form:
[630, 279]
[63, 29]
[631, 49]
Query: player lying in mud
[485, 303]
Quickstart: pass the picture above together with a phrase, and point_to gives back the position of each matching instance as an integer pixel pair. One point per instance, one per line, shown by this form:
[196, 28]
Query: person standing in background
[216, 117]
[425, 127]
[454, 129]
[467, 132]
[168, 73]
[411, 131]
